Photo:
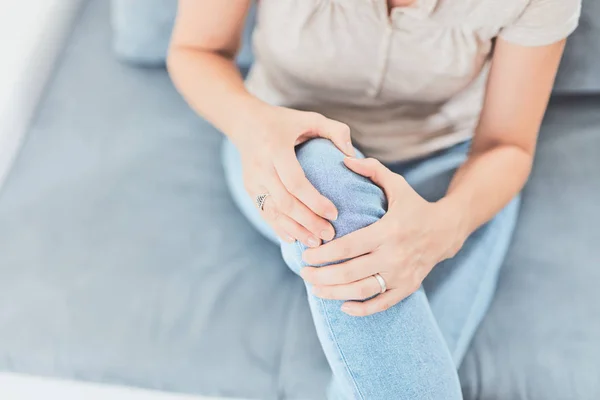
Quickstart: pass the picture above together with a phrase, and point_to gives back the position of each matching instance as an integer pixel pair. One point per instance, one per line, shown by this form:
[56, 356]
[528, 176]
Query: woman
[400, 252]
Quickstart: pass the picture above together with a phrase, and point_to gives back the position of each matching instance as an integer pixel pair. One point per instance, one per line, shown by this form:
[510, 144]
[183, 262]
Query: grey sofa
[124, 260]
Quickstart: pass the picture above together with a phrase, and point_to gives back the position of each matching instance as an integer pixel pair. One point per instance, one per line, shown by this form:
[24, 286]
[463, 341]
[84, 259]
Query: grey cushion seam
[288, 343]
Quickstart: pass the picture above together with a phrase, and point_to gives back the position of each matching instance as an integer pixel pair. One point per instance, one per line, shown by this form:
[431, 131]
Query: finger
[372, 169]
[292, 176]
[344, 273]
[286, 228]
[275, 221]
[289, 205]
[354, 244]
[375, 305]
[359, 290]
[337, 132]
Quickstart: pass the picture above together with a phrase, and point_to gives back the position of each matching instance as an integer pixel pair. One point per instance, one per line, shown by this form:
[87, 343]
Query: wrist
[249, 121]
[455, 217]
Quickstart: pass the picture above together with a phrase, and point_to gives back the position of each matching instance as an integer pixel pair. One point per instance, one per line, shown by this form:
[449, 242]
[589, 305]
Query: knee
[359, 201]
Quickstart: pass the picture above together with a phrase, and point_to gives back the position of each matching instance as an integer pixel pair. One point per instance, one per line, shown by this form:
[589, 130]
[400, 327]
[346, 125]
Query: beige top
[407, 84]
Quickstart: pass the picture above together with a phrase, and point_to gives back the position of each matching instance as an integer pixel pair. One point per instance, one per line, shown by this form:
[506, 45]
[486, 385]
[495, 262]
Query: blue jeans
[412, 350]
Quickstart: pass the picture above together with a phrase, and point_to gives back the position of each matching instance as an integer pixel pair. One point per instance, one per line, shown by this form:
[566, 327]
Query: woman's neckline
[393, 4]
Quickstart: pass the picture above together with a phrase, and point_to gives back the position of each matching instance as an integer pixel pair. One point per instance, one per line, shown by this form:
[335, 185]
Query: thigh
[460, 289]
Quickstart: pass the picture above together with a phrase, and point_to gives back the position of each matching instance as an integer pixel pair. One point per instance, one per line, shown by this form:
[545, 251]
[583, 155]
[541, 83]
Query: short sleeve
[543, 22]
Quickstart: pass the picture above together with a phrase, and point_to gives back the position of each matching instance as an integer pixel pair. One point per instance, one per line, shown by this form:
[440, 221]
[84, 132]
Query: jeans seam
[334, 338]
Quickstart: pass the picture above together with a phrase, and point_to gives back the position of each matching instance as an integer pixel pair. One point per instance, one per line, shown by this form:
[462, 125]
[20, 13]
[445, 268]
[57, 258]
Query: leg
[460, 289]
[397, 354]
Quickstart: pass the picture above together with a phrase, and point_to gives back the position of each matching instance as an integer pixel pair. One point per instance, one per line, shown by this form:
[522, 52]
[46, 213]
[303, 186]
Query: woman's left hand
[403, 247]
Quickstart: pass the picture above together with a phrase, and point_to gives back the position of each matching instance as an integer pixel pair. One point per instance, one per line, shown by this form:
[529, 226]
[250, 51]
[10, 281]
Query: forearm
[486, 183]
[213, 86]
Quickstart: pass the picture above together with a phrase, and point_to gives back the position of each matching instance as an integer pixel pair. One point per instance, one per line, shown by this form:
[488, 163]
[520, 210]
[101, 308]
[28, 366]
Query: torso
[408, 76]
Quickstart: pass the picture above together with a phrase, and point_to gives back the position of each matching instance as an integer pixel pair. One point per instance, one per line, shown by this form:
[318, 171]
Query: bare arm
[205, 41]
[501, 157]
[204, 44]
[415, 235]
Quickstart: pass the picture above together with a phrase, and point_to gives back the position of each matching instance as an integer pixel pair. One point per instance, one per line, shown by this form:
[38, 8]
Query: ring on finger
[381, 282]
[260, 201]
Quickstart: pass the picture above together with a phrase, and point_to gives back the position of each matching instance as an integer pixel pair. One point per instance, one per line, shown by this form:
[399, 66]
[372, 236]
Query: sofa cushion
[580, 68]
[142, 30]
[125, 261]
[541, 337]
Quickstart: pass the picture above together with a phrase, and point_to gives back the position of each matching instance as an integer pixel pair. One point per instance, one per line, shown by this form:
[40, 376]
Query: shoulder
[543, 22]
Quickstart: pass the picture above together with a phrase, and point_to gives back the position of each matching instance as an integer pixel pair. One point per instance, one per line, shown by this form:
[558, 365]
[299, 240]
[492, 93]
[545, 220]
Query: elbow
[179, 55]
[172, 60]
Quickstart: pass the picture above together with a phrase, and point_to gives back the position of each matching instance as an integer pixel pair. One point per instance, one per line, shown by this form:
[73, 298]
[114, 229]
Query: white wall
[32, 34]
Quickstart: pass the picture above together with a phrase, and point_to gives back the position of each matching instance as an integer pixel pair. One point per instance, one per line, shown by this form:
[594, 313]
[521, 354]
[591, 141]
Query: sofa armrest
[32, 34]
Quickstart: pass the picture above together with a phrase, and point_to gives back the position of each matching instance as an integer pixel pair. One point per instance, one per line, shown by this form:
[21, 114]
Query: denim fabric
[124, 260]
[412, 350]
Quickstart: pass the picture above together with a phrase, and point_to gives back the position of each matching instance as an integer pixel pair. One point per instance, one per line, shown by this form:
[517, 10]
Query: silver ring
[260, 201]
[381, 282]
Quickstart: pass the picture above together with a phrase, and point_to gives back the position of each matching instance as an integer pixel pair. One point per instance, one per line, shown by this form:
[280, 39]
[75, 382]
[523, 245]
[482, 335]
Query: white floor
[20, 387]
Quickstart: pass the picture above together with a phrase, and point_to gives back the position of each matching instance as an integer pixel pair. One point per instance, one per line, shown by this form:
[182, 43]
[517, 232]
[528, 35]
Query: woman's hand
[294, 208]
[403, 247]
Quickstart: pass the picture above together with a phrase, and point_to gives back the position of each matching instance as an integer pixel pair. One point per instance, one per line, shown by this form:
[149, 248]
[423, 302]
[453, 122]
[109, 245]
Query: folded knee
[359, 201]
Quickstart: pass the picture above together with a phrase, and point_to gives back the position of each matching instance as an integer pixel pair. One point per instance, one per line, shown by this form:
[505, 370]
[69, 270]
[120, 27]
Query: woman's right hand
[294, 208]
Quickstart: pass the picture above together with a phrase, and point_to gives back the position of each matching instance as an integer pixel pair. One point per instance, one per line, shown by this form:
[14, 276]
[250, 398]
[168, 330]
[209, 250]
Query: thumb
[337, 132]
[372, 169]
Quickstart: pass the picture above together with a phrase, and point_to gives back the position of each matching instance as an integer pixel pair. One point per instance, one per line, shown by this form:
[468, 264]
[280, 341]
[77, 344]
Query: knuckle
[295, 185]
[344, 130]
[274, 215]
[312, 223]
[344, 252]
[312, 115]
[373, 164]
[400, 180]
[347, 275]
[313, 118]
[286, 205]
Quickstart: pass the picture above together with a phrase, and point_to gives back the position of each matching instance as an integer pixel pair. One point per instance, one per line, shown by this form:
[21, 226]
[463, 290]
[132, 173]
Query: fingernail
[345, 308]
[332, 216]
[327, 235]
[313, 241]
